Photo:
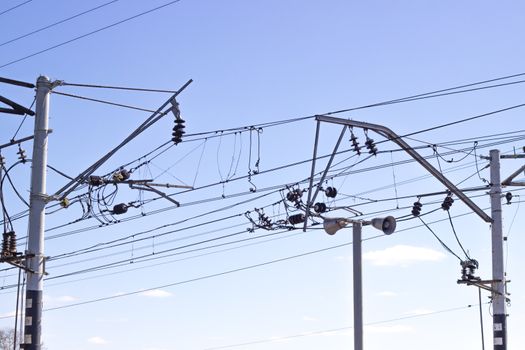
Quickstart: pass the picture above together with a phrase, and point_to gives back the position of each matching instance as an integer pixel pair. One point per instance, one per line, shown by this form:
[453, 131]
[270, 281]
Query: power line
[104, 102]
[426, 94]
[199, 202]
[90, 33]
[201, 278]
[56, 23]
[15, 7]
[117, 87]
[334, 330]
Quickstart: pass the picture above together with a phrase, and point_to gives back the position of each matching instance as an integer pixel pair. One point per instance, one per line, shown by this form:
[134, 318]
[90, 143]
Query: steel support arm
[392, 136]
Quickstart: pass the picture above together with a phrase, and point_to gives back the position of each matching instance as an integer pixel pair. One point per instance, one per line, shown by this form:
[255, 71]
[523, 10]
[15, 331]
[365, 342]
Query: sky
[226, 269]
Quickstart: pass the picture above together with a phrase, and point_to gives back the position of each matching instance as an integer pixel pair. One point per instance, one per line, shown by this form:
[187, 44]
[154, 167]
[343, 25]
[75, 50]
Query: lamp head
[387, 225]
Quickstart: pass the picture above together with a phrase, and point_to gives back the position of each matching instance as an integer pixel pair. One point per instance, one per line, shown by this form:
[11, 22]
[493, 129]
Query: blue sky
[253, 63]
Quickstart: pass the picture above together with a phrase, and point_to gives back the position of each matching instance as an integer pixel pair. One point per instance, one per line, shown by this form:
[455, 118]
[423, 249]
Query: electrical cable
[456, 235]
[15, 7]
[439, 240]
[481, 320]
[366, 239]
[200, 278]
[426, 94]
[117, 87]
[334, 330]
[56, 23]
[103, 102]
[89, 33]
[193, 203]
[23, 120]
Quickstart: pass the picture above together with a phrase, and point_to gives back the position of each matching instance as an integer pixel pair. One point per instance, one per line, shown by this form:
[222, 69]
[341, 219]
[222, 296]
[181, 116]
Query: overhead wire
[23, 120]
[430, 93]
[95, 227]
[369, 238]
[439, 240]
[14, 7]
[103, 101]
[192, 203]
[335, 330]
[89, 33]
[56, 23]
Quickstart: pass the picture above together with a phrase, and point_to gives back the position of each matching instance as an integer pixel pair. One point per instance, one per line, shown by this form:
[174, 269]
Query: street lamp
[331, 226]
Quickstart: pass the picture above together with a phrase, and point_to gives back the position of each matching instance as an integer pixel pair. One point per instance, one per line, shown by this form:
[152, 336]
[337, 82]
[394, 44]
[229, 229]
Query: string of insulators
[9, 244]
[264, 220]
[21, 154]
[370, 145]
[178, 131]
[355, 144]
[416, 208]
[447, 203]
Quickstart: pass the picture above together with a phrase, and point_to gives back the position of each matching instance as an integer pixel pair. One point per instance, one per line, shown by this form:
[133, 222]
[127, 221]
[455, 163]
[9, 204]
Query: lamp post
[331, 226]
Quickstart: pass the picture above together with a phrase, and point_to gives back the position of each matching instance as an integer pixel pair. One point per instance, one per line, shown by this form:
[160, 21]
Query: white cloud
[66, 298]
[97, 341]
[388, 329]
[156, 293]
[386, 294]
[309, 318]
[402, 255]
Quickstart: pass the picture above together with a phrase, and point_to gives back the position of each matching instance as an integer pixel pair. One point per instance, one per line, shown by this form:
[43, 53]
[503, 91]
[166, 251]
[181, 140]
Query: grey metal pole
[38, 199]
[498, 268]
[358, 285]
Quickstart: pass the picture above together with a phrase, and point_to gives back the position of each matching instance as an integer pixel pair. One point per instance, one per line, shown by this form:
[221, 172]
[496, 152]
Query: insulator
[355, 144]
[319, 207]
[9, 243]
[372, 149]
[120, 208]
[296, 219]
[96, 180]
[508, 197]
[12, 242]
[21, 154]
[468, 269]
[2, 161]
[416, 209]
[447, 203]
[121, 175]
[294, 195]
[331, 192]
[64, 203]
[5, 244]
[178, 131]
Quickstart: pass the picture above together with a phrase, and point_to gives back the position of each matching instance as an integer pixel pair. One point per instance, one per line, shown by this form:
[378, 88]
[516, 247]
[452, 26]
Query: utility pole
[498, 268]
[358, 284]
[38, 199]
